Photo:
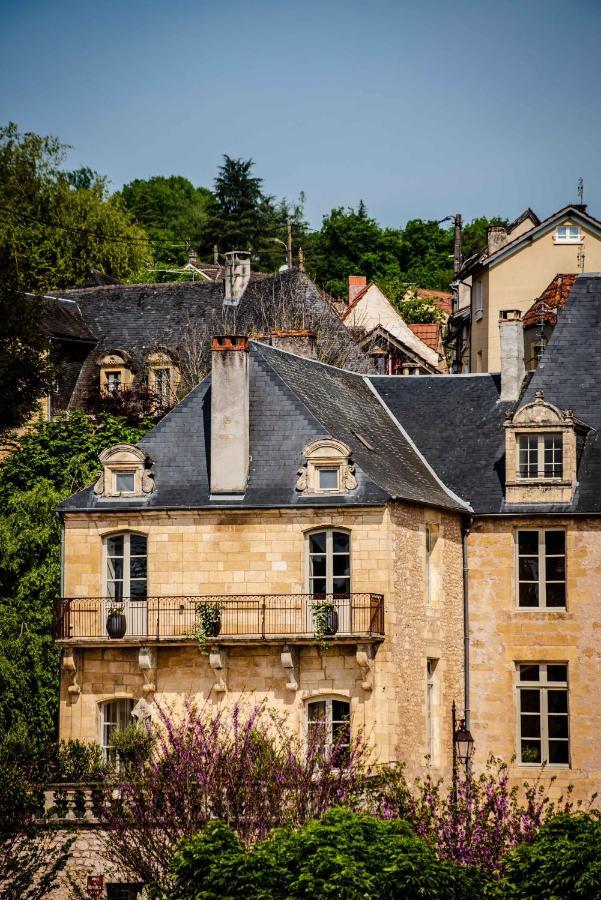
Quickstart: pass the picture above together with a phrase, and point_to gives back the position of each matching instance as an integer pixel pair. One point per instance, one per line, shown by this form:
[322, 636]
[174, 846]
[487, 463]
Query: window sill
[562, 610]
[577, 242]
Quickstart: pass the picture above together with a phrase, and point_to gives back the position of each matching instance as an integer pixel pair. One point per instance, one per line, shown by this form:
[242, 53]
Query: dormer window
[126, 472]
[567, 234]
[540, 456]
[328, 468]
[115, 372]
[163, 378]
[113, 381]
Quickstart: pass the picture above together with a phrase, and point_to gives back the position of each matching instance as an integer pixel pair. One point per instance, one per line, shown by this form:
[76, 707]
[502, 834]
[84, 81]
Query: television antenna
[580, 190]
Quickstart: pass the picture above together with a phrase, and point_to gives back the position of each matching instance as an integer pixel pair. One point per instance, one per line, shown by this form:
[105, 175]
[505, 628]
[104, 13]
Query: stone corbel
[69, 665]
[147, 662]
[289, 664]
[365, 661]
[218, 663]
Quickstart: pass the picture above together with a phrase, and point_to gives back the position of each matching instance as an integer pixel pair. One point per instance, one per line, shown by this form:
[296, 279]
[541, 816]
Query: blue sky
[421, 109]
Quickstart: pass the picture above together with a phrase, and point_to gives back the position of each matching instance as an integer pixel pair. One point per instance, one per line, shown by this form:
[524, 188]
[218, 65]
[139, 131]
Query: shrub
[343, 855]
[132, 745]
[563, 861]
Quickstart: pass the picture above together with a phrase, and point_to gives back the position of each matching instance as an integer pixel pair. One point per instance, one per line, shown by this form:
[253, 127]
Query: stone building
[452, 523]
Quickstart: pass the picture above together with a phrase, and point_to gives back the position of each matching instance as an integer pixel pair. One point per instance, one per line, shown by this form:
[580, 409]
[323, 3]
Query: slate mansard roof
[438, 440]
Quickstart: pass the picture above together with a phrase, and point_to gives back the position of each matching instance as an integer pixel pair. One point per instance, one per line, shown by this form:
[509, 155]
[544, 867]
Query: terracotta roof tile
[429, 333]
[443, 299]
[551, 301]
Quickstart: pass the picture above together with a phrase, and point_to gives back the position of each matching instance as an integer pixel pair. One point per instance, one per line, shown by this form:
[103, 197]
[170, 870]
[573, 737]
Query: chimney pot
[356, 283]
[230, 418]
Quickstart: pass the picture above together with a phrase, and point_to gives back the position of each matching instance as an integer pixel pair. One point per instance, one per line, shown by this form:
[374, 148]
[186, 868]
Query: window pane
[557, 672]
[318, 586]
[342, 565]
[341, 585]
[558, 726]
[114, 568]
[137, 566]
[531, 751]
[137, 588]
[115, 589]
[125, 482]
[115, 545]
[529, 672]
[341, 542]
[318, 566]
[530, 701]
[528, 594]
[528, 543]
[557, 701]
[556, 595]
[530, 726]
[528, 568]
[556, 568]
[341, 734]
[555, 542]
[137, 545]
[559, 752]
[328, 479]
[341, 711]
[317, 711]
[317, 542]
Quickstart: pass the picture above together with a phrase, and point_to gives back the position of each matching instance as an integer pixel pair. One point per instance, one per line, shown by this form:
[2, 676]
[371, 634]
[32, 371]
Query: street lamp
[463, 742]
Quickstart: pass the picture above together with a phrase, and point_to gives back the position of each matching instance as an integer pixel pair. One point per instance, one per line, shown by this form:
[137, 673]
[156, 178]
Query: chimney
[237, 276]
[230, 423]
[192, 257]
[496, 236]
[299, 341]
[513, 369]
[356, 283]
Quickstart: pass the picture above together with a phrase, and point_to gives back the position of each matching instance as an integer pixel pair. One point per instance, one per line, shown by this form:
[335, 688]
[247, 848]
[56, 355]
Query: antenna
[580, 190]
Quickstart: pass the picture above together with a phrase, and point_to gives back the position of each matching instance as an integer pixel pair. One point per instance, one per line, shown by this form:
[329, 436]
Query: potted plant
[325, 619]
[116, 621]
[208, 622]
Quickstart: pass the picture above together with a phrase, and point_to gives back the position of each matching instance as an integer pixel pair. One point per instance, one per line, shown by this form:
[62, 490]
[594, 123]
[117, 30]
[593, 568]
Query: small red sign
[95, 886]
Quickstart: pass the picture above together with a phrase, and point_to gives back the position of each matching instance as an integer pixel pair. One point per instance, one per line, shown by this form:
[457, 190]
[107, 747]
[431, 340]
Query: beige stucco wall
[264, 552]
[517, 281]
[501, 635]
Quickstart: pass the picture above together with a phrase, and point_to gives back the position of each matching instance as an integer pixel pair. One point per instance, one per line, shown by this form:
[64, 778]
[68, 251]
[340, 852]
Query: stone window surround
[542, 607]
[115, 361]
[124, 459]
[122, 532]
[329, 530]
[326, 453]
[102, 706]
[540, 455]
[161, 359]
[542, 685]
[433, 709]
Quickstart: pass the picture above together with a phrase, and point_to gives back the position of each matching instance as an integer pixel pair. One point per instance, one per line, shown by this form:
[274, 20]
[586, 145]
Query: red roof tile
[429, 333]
[442, 299]
[551, 301]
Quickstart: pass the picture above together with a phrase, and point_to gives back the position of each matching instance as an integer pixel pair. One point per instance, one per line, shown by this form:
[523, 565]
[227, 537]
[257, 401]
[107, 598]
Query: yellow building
[515, 267]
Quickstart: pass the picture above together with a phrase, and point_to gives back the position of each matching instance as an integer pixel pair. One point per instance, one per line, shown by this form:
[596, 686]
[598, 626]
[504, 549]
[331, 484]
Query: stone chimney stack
[496, 236]
[237, 276]
[230, 421]
[356, 283]
[298, 341]
[513, 369]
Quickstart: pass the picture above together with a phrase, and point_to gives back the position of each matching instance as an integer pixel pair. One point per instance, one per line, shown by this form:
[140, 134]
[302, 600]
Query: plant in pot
[325, 619]
[208, 622]
[116, 621]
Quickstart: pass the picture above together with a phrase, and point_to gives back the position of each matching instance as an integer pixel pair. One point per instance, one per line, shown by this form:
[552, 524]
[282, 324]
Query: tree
[474, 234]
[343, 854]
[57, 226]
[52, 461]
[172, 211]
[410, 305]
[25, 370]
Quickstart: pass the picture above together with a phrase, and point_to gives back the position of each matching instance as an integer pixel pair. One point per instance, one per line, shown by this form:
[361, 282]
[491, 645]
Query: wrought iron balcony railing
[235, 617]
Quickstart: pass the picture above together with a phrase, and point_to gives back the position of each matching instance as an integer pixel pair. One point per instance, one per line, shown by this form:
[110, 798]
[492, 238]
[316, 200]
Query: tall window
[330, 562]
[479, 300]
[540, 456]
[543, 713]
[114, 716]
[430, 536]
[541, 565]
[329, 724]
[113, 381]
[126, 565]
[566, 234]
[162, 385]
[430, 702]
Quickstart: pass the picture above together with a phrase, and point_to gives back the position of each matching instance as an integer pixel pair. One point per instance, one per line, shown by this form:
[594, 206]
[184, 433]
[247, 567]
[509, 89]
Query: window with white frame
[115, 715]
[541, 568]
[126, 566]
[329, 725]
[329, 559]
[566, 234]
[540, 456]
[543, 723]
[162, 385]
[113, 380]
[479, 300]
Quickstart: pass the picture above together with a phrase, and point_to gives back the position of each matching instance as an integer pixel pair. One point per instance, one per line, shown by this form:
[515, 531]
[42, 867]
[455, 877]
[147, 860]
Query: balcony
[241, 618]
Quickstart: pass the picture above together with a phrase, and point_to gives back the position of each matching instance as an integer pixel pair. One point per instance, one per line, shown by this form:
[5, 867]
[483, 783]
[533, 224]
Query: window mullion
[126, 567]
[329, 561]
[544, 725]
[542, 569]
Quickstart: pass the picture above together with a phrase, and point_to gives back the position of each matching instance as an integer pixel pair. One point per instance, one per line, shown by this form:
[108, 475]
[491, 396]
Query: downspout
[465, 530]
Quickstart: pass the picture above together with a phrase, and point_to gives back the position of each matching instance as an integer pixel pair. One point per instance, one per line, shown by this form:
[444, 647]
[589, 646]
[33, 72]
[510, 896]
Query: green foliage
[410, 305]
[207, 624]
[57, 226]
[25, 372]
[53, 460]
[172, 211]
[474, 234]
[133, 745]
[563, 861]
[77, 761]
[343, 855]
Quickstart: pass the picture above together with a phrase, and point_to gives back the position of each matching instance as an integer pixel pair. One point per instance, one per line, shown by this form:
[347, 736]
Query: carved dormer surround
[124, 460]
[331, 455]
